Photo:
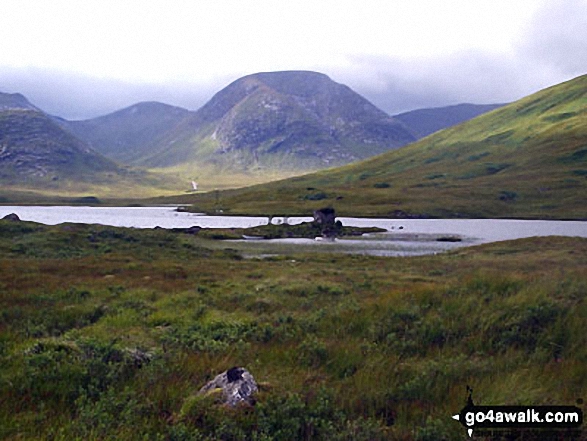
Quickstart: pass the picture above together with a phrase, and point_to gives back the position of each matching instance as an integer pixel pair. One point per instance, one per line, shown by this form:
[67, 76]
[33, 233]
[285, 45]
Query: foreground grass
[107, 333]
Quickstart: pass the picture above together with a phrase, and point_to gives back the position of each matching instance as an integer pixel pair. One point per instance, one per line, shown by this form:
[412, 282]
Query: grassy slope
[527, 160]
[131, 186]
[106, 333]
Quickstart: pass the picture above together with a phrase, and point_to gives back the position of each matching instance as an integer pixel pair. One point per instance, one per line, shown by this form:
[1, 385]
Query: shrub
[507, 196]
[316, 196]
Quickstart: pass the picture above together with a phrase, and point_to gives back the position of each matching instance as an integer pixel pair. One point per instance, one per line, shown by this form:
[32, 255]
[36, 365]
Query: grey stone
[237, 385]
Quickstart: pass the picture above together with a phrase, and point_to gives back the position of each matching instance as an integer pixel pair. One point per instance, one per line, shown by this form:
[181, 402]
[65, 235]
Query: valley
[524, 160]
[108, 332]
[260, 128]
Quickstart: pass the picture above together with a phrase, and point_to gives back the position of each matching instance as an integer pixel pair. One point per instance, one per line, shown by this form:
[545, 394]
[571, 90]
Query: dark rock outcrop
[326, 219]
[325, 216]
[11, 217]
[237, 386]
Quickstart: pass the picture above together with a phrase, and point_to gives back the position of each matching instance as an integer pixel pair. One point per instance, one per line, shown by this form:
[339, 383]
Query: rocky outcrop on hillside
[12, 217]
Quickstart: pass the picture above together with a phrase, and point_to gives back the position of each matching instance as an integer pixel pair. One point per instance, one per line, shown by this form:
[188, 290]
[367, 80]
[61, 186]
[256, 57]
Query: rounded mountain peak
[293, 82]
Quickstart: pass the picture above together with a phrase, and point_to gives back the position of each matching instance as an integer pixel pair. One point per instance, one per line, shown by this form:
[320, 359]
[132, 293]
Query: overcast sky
[80, 59]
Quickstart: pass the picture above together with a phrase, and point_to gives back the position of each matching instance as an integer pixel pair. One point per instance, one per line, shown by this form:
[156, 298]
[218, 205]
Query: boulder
[325, 216]
[11, 217]
[326, 219]
[237, 386]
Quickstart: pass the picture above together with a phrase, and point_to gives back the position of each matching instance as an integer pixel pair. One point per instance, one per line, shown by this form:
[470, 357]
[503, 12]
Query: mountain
[527, 159]
[295, 121]
[424, 122]
[33, 146]
[262, 127]
[38, 154]
[128, 134]
[15, 101]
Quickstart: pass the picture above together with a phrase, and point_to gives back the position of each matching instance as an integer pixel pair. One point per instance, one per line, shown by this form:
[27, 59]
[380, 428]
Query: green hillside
[527, 160]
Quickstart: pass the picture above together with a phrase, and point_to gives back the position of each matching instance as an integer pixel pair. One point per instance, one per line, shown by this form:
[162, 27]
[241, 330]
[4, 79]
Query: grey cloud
[75, 96]
[552, 49]
[396, 85]
[557, 38]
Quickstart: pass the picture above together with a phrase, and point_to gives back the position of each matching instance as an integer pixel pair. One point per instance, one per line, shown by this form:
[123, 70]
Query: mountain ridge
[424, 122]
[293, 113]
[37, 154]
[15, 101]
[527, 159]
[259, 128]
[125, 135]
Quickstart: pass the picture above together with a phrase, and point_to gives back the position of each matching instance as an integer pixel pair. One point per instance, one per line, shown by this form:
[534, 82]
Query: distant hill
[262, 123]
[129, 134]
[37, 154]
[261, 127]
[423, 122]
[33, 146]
[527, 159]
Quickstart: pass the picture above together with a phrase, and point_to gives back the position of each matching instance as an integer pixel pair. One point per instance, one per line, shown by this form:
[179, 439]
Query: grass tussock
[108, 333]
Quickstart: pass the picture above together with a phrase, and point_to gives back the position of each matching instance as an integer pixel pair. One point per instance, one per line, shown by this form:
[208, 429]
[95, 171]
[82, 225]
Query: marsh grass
[108, 333]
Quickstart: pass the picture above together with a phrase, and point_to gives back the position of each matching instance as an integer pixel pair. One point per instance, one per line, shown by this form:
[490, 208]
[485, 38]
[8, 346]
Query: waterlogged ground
[376, 244]
[107, 333]
[405, 237]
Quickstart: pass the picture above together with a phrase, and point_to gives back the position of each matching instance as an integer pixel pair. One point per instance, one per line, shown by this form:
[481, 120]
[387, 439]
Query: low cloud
[557, 39]
[551, 49]
[75, 96]
[396, 85]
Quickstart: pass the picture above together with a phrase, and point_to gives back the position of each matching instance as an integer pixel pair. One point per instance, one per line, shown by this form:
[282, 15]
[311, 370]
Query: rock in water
[325, 216]
[11, 217]
[237, 385]
[326, 219]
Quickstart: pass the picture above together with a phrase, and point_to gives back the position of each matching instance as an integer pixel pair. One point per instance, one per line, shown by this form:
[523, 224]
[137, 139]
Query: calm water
[404, 237]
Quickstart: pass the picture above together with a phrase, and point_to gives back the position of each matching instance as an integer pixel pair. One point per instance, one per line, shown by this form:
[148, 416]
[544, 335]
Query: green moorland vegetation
[524, 160]
[108, 333]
